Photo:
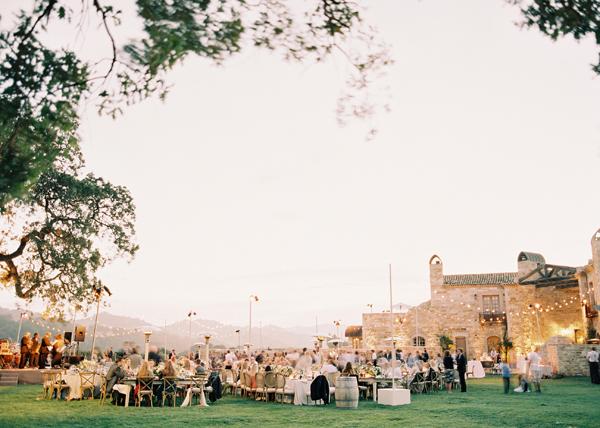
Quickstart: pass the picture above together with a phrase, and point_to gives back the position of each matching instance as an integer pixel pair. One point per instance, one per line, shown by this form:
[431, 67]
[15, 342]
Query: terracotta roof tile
[481, 279]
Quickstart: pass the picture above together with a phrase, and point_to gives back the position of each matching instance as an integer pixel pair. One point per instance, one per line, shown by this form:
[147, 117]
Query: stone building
[536, 302]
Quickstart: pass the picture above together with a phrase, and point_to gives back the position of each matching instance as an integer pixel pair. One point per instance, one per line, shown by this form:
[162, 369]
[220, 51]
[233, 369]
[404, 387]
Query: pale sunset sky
[245, 184]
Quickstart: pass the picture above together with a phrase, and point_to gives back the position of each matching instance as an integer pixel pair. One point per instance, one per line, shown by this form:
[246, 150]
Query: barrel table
[346, 392]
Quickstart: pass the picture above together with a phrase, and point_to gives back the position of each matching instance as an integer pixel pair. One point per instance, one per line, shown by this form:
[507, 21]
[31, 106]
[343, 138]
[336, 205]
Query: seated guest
[329, 367]
[115, 373]
[135, 359]
[348, 370]
[200, 369]
[168, 371]
[144, 372]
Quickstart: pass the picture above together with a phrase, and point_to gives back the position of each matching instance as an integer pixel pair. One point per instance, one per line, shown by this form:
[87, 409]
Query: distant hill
[115, 330]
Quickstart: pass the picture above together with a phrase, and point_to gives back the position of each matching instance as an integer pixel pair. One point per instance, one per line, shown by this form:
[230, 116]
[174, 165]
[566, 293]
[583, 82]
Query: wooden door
[461, 343]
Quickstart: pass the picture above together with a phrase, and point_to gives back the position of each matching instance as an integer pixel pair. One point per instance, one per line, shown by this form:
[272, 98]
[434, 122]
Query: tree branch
[102, 11]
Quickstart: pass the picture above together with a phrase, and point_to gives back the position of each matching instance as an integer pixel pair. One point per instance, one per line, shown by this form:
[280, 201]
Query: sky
[245, 184]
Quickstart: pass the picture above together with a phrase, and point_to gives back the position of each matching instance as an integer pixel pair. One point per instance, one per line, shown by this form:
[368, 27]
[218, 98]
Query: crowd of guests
[41, 352]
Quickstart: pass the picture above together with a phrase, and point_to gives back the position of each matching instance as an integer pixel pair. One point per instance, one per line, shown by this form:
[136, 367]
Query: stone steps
[9, 380]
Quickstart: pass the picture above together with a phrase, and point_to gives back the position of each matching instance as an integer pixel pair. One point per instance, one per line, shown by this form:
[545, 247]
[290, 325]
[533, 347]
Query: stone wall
[567, 359]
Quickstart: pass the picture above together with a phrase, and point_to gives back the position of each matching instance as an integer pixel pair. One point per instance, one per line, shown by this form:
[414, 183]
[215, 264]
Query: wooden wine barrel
[346, 392]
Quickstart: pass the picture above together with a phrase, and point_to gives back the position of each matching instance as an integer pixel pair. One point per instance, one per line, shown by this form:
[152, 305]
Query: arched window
[418, 341]
[435, 260]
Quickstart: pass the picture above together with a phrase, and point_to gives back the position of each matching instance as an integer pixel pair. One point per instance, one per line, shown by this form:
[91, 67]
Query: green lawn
[572, 402]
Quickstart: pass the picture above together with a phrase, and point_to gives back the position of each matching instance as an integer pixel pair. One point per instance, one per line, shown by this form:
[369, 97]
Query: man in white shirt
[593, 357]
[329, 367]
[535, 372]
[230, 358]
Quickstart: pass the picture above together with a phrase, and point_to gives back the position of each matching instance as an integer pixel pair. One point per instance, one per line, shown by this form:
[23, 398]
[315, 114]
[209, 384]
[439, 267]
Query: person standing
[505, 369]
[461, 366]
[25, 350]
[535, 372]
[593, 357]
[448, 370]
[425, 355]
[35, 351]
[45, 350]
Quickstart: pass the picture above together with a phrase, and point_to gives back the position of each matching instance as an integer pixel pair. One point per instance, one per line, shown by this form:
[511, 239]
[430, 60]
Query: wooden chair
[418, 383]
[169, 390]
[198, 383]
[260, 391]
[242, 383]
[228, 380]
[47, 381]
[280, 388]
[87, 383]
[144, 390]
[332, 379]
[249, 388]
[58, 385]
[270, 385]
[102, 389]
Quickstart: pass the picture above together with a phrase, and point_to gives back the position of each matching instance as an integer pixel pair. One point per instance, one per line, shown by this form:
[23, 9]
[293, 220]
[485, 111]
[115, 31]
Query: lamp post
[21, 316]
[537, 320]
[190, 314]
[147, 335]
[206, 357]
[337, 327]
[239, 339]
[98, 290]
[253, 298]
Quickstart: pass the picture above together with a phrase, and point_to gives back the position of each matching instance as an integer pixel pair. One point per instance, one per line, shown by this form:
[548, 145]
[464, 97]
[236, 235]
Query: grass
[572, 402]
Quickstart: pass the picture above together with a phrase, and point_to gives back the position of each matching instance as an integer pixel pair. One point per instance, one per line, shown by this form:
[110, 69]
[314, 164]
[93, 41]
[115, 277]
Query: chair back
[145, 383]
[87, 379]
[332, 378]
[260, 380]
[248, 378]
[227, 376]
[169, 384]
[280, 381]
[270, 380]
[199, 381]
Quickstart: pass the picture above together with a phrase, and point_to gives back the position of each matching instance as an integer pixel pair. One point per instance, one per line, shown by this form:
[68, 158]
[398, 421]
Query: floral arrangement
[283, 370]
[369, 371]
[157, 370]
[87, 365]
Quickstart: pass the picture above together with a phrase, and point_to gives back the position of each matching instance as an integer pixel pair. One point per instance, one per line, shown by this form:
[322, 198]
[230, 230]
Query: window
[491, 304]
[418, 341]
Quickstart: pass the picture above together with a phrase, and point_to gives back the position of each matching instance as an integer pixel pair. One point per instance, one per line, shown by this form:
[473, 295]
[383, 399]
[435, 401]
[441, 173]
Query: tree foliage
[54, 243]
[559, 18]
[42, 86]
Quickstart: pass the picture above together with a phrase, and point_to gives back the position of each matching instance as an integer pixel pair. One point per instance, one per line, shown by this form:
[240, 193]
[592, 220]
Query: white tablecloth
[123, 389]
[301, 390]
[476, 369]
[74, 382]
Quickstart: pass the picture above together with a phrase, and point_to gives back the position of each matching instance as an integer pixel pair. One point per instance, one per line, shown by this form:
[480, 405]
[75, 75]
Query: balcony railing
[492, 317]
